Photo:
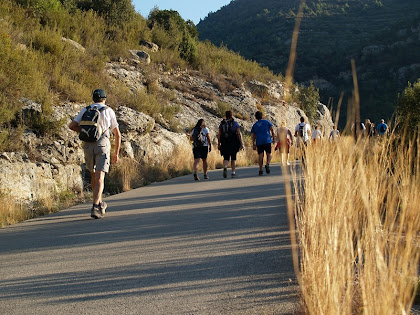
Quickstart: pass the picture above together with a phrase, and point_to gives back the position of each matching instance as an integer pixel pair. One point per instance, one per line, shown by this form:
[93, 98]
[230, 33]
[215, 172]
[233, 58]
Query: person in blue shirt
[262, 138]
[382, 128]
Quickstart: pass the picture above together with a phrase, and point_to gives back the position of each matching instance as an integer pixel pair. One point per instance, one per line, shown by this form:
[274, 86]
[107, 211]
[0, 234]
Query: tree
[116, 12]
[309, 99]
[408, 106]
[188, 49]
[171, 21]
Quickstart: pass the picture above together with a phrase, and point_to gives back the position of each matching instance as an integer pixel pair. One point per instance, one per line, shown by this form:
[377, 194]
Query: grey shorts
[97, 155]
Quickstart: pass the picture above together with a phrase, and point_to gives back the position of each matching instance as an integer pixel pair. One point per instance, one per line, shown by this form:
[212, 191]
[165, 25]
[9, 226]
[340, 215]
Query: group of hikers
[95, 122]
[230, 141]
[368, 129]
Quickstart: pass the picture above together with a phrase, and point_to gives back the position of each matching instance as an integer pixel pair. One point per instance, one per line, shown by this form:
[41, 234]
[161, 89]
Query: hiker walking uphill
[302, 132]
[262, 140]
[200, 138]
[316, 135]
[229, 142]
[284, 142]
[382, 128]
[334, 134]
[93, 124]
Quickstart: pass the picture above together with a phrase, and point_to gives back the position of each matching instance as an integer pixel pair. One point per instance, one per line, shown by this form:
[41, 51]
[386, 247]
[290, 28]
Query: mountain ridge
[332, 33]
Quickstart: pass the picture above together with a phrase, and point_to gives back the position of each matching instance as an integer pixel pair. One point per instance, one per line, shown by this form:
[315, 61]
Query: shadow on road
[232, 243]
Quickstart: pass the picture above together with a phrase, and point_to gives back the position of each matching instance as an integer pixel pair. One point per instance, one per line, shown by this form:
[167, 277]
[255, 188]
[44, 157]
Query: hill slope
[382, 36]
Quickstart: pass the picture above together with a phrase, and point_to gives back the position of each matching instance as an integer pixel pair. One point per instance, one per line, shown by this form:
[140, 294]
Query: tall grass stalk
[357, 226]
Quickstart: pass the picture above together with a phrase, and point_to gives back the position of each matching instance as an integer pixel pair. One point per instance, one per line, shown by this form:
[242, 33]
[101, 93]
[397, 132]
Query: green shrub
[222, 107]
[188, 49]
[47, 42]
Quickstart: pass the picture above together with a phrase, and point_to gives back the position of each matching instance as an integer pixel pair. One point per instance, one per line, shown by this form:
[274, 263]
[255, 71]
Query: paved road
[178, 247]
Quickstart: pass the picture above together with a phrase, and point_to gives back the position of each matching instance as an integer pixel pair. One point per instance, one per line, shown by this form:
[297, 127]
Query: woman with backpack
[200, 138]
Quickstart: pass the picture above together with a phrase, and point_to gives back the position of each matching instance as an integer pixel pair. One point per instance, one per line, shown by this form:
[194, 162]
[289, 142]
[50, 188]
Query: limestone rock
[151, 46]
[140, 55]
[74, 44]
[29, 181]
[132, 121]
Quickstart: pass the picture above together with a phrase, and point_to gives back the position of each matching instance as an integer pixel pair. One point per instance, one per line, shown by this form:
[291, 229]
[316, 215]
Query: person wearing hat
[97, 153]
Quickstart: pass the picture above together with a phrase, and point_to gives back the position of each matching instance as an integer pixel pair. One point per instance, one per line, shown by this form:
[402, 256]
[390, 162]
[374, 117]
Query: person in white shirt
[97, 154]
[316, 134]
[302, 132]
[335, 134]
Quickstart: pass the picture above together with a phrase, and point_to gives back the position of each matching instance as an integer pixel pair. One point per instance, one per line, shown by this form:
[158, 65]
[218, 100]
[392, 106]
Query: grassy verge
[357, 224]
[12, 212]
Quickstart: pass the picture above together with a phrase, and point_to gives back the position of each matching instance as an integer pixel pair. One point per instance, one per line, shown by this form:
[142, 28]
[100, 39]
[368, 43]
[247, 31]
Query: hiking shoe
[267, 169]
[260, 173]
[205, 176]
[102, 207]
[95, 212]
[225, 172]
[233, 175]
[196, 177]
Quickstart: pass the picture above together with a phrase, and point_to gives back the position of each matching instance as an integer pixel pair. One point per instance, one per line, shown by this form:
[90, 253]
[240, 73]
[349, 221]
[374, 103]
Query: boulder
[151, 46]
[141, 56]
[74, 44]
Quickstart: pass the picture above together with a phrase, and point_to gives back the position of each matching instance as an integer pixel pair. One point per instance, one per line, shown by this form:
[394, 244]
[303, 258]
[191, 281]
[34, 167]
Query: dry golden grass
[356, 211]
[10, 211]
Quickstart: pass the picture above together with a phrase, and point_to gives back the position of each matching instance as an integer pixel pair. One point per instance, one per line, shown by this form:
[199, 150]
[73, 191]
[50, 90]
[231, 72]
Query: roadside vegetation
[357, 224]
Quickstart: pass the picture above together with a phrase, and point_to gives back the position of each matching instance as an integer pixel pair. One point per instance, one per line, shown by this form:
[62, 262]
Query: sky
[193, 10]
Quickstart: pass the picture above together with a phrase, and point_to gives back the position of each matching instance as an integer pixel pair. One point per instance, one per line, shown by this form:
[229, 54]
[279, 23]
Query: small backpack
[90, 127]
[227, 135]
[301, 130]
[382, 129]
[198, 138]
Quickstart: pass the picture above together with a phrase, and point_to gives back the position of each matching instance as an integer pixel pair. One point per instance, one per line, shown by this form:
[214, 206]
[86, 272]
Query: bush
[222, 107]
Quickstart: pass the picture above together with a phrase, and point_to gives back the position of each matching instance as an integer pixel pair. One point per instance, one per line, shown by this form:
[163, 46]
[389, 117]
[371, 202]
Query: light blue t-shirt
[261, 129]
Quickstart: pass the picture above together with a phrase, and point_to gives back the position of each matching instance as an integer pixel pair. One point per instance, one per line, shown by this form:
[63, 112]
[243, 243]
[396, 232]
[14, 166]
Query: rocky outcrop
[29, 181]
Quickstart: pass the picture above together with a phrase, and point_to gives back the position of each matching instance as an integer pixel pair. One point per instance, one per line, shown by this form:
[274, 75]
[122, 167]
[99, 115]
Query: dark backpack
[198, 138]
[227, 134]
[90, 128]
[301, 130]
[382, 128]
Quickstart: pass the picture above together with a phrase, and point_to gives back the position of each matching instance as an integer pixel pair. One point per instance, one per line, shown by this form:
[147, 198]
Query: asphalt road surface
[220, 246]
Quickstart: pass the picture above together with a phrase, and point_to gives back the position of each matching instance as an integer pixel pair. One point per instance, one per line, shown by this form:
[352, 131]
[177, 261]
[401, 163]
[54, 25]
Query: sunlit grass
[356, 211]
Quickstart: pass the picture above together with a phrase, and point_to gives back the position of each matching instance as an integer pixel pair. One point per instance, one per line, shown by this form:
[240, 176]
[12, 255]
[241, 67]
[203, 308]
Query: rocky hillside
[49, 165]
[383, 36]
